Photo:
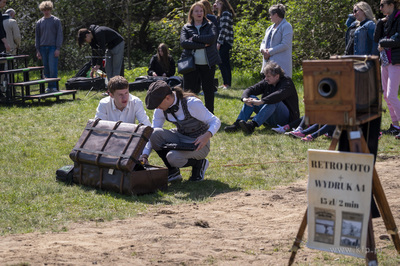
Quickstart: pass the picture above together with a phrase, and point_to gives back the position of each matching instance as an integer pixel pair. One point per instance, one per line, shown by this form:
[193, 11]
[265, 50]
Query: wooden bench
[9, 63]
[25, 71]
[26, 91]
[21, 70]
[25, 85]
[49, 95]
[10, 82]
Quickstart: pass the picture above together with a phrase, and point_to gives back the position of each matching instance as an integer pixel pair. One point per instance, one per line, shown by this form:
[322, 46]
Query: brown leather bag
[111, 144]
[143, 180]
[106, 157]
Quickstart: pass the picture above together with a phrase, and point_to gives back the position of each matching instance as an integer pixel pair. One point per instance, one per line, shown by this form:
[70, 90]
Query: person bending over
[104, 42]
[194, 124]
[120, 105]
[279, 103]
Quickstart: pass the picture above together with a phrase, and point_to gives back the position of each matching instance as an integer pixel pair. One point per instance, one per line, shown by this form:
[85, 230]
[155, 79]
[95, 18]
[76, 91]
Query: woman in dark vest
[194, 125]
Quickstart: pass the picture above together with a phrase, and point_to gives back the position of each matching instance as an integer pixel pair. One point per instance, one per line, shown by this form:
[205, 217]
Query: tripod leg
[355, 140]
[383, 205]
[335, 138]
[299, 237]
[371, 258]
[384, 209]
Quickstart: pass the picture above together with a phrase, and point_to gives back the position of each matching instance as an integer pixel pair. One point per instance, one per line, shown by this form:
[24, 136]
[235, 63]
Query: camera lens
[327, 88]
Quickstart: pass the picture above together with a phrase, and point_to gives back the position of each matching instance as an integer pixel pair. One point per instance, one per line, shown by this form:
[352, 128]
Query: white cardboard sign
[339, 201]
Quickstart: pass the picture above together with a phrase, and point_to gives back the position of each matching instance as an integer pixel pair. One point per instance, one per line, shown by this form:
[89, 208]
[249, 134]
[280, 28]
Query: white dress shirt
[132, 112]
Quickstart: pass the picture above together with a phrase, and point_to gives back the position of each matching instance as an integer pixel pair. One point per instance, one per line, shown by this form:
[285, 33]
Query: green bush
[318, 28]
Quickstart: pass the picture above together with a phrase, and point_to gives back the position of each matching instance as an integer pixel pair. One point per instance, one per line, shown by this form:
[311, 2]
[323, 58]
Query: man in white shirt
[194, 125]
[13, 33]
[120, 105]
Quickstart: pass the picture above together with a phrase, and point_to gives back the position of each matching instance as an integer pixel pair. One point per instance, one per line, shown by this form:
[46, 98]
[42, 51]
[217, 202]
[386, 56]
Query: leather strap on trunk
[127, 146]
[86, 138]
[121, 184]
[105, 142]
[101, 177]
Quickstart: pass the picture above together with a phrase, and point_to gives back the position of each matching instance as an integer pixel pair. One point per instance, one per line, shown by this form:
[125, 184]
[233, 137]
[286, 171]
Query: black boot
[248, 127]
[173, 172]
[233, 128]
[199, 168]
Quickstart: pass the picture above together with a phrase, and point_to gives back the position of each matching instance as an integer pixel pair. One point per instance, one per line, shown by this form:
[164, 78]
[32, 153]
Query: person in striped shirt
[225, 39]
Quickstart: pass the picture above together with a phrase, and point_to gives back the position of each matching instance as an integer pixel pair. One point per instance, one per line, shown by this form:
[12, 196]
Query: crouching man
[279, 103]
[194, 124]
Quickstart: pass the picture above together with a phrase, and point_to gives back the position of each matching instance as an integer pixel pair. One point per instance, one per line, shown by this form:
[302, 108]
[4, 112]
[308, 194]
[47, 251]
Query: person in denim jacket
[360, 32]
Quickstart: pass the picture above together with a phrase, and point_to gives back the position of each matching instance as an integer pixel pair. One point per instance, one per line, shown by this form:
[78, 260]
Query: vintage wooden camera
[344, 90]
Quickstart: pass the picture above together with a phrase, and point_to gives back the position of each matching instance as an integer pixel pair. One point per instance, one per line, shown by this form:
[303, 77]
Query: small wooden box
[342, 90]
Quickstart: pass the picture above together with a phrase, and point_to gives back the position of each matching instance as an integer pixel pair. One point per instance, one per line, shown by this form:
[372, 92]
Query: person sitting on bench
[120, 105]
[194, 124]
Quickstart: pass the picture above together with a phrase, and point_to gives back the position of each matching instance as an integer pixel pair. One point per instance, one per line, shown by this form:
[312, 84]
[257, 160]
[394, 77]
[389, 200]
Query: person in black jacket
[104, 42]
[162, 64]
[387, 34]
[198, 37]
[279, 103]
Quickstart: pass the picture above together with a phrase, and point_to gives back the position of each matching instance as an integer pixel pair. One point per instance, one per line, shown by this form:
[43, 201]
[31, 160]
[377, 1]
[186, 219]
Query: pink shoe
[296, 134]
[308, 138]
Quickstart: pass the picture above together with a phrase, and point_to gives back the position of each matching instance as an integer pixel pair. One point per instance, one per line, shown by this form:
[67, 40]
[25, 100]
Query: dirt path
[236, 228]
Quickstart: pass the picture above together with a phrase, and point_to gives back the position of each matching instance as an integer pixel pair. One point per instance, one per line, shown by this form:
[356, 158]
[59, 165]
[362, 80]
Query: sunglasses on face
[382, 5]
[355, 11]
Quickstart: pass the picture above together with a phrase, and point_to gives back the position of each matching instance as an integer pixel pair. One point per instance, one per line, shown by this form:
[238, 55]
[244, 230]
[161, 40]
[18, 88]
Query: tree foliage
[318, 27]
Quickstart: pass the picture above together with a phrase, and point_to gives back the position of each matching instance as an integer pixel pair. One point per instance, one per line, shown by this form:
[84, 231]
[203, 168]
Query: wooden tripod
[358, 144]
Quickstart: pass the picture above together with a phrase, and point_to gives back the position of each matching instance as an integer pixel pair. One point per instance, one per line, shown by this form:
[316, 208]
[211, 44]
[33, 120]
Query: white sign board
[339, 201]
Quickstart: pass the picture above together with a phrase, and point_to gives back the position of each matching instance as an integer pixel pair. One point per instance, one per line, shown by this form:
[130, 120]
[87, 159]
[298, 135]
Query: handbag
[186, 65]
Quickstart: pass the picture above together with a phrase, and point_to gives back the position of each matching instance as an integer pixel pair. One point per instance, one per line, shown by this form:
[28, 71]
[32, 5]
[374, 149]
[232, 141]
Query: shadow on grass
[177, 191]
[262, 130]
[228, 97]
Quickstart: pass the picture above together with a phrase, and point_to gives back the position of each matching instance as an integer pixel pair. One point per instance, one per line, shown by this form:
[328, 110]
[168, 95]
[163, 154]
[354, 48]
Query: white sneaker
[279, 129]
[294, 130]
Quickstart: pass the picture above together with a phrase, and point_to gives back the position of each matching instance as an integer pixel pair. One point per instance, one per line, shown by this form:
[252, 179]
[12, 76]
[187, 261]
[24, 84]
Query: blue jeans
[316, 130]
[225, 66]
[50, 63]
[272, 114]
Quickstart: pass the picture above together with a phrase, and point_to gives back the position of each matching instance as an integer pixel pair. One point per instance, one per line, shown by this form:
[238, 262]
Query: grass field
[36, 140]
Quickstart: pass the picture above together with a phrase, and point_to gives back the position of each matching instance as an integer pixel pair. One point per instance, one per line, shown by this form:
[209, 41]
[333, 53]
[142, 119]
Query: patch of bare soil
[236, 228]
